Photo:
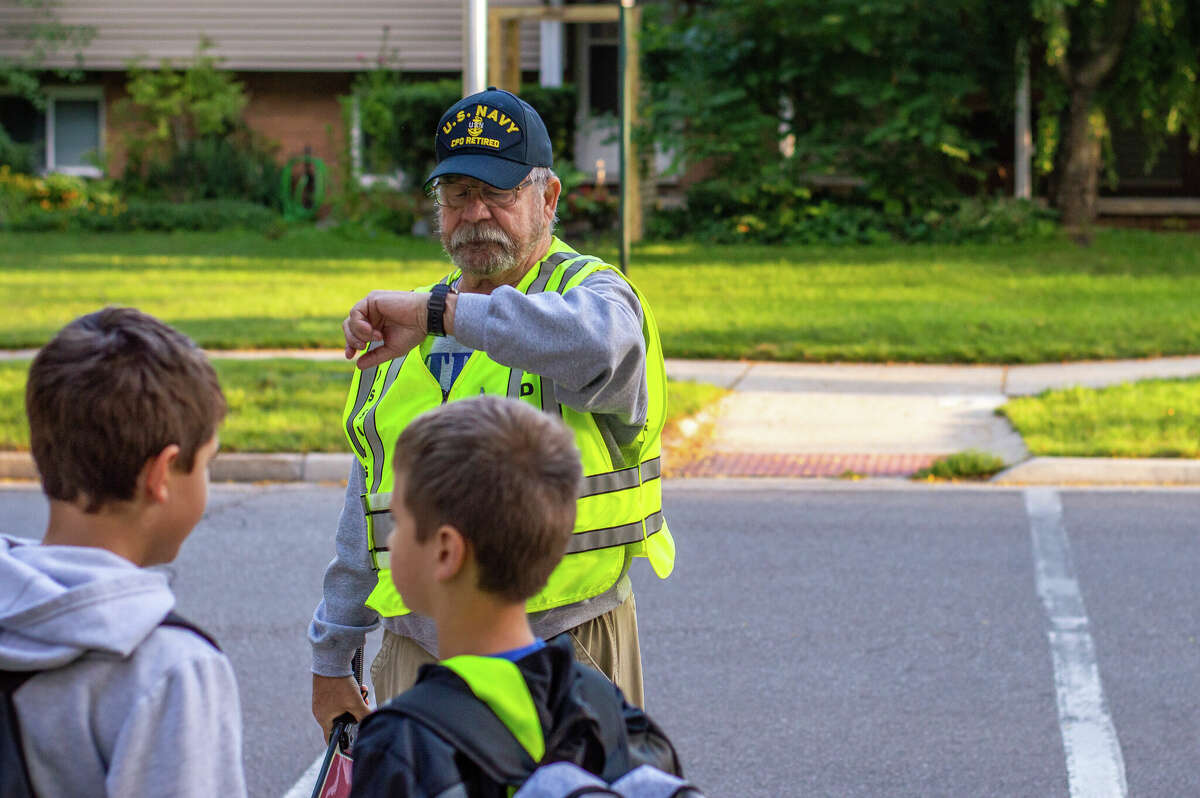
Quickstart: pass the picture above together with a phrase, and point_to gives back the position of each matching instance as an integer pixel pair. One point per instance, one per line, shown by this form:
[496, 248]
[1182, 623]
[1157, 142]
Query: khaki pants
[608, 643]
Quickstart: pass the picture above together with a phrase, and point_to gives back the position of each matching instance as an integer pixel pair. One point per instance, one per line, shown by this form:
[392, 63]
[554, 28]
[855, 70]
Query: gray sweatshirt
[126, 707]
[589, 342]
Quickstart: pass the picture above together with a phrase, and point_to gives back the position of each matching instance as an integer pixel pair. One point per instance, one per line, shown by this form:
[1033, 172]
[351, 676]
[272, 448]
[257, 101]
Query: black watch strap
[436, 309]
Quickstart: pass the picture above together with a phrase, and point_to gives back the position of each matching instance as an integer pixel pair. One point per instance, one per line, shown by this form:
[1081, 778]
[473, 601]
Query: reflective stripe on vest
[620, 506]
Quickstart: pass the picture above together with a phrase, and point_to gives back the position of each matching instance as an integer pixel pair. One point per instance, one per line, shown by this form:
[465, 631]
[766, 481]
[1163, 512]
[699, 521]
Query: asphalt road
[817, 638]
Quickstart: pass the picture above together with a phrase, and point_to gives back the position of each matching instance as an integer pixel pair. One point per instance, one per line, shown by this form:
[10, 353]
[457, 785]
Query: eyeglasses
[458, 195]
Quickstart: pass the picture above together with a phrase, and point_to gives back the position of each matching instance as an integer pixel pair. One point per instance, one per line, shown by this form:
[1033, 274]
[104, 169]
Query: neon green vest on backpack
[619, 511]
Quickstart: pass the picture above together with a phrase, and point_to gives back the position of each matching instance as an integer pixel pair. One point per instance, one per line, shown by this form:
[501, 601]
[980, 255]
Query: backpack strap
[14, 772]
[14, 775]
[607, 722]
[175, 619]
[469, 725]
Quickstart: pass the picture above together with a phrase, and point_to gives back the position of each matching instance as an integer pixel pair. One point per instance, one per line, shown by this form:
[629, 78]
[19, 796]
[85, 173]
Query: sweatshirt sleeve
[588, 341]
[341, 621]
[183, 736]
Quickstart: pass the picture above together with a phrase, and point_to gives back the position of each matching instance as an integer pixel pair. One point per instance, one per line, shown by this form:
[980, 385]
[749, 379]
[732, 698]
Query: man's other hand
[333, 695]
[394, 318]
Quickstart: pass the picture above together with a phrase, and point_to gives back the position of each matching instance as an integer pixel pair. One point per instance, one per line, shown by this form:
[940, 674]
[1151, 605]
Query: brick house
[295, 59]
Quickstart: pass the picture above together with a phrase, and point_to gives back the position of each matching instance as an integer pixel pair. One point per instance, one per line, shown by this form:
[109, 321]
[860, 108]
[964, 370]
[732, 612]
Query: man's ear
[450, 553]
[550, 196]
[155, 473]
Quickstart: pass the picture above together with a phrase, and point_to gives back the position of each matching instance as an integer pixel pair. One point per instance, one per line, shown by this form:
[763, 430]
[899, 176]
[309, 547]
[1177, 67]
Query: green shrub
[200, 215]
[969, 464]
[376, 209]
[791, 215]
[990, 220]
[18, 157]
[185, 138]
[238, 166]
[32, 203]
[596, 208]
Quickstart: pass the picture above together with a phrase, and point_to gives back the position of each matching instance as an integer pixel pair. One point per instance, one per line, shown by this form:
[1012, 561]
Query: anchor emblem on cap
[475, 126]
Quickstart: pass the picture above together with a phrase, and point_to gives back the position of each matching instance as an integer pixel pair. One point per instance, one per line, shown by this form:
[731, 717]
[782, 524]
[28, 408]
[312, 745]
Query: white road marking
[1095, 766]
[304, 785]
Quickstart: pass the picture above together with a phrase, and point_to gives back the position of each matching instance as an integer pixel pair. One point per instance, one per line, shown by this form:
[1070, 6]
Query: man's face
[484, 239]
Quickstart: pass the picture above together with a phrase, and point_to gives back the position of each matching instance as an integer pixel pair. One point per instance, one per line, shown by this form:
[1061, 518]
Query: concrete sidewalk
[812, 419]
[826, 420]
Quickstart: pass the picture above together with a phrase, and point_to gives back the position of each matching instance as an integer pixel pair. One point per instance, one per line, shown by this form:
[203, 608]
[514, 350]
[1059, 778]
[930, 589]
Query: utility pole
[551, 52]
[475, 54]
[629, 80]
[1022, 136]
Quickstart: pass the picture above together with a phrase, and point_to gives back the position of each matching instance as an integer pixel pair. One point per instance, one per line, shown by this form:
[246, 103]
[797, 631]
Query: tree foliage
[882, 90]
[1132, 63]
[185, 138]
[913, 96]
[171, 107]
[44, 37]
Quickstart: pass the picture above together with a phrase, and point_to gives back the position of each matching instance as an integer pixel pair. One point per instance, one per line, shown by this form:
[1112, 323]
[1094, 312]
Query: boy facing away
[123, 413]
[483, 508]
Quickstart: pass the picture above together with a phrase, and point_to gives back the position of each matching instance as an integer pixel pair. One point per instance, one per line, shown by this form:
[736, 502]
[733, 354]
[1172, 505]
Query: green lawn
[280, 404]
[1150, 418]
[1131, 294]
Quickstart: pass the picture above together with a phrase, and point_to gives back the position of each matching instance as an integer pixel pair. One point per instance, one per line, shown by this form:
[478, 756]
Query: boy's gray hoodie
[126, 707]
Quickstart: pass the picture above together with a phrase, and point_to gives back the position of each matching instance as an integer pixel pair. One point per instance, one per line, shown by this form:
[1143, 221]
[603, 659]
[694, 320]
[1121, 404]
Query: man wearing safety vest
[525, 316]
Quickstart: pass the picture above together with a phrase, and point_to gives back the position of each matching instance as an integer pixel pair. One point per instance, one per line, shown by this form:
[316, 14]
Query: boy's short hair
[505, 475]
[110, 391]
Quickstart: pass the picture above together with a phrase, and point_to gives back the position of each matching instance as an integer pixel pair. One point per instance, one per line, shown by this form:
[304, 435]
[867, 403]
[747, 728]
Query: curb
[1101, 471]
[327, 467]
[232, 467]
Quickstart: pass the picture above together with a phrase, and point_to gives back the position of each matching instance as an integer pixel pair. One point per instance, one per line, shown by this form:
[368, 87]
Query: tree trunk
[1079, 184]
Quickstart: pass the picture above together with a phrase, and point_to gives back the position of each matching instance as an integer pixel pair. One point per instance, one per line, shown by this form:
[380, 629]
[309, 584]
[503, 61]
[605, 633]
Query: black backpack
[14, 772]
[482, 738]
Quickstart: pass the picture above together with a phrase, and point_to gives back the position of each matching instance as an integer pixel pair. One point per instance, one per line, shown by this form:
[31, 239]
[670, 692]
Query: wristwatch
[436, 309]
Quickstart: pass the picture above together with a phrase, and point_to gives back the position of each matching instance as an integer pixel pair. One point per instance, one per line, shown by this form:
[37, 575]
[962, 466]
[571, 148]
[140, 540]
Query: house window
[67, 135]
[365, 168]
[603, 69]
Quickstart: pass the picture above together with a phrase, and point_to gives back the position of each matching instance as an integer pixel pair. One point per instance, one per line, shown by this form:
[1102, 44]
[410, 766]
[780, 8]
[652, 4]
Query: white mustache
[479, 234]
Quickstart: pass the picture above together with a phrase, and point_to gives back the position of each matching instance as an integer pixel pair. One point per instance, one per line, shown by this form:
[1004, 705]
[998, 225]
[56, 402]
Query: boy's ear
[155, 473]
[450, 554]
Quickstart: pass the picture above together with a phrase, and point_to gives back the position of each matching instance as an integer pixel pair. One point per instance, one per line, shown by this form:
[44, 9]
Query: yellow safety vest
[619, 511]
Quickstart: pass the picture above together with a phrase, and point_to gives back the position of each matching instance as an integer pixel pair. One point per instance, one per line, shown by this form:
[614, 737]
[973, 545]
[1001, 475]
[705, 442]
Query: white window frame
[395, 181]
[53, 95]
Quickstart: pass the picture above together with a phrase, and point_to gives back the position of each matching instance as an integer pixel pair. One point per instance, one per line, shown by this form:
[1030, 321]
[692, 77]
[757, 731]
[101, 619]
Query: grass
[686, 398]
[1150, 418]
[280, 404]
[968, 464]
[1131, 294]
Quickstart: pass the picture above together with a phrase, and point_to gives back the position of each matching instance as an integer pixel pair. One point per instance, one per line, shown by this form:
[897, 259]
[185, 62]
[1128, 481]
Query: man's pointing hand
[394, 318]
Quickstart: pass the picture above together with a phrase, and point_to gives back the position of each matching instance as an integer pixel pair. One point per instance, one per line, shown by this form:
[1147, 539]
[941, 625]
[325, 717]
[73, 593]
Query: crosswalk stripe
[1095, 765]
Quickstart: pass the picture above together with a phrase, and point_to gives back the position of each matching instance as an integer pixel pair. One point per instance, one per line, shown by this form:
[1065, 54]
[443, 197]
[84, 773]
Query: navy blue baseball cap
[493, 136]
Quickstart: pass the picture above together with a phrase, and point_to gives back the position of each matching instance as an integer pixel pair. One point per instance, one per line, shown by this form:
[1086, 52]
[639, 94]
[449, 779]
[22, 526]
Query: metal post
[475, 46]
[628, 156]
[551, 51]
[1022, 137]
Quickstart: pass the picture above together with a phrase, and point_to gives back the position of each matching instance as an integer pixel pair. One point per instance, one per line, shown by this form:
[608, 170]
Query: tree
[882, 90]
[1129, 61]
[44, 36]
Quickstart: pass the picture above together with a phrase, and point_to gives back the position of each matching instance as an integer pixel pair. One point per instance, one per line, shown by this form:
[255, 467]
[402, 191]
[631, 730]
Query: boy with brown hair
[483, 509]
[113, 694]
